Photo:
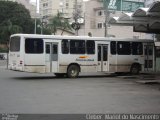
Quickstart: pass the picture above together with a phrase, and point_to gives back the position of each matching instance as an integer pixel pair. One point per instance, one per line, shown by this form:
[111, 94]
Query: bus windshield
[15, 44]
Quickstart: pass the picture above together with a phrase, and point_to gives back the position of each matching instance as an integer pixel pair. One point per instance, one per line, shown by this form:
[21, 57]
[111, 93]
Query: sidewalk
[150, 78]
[144, 78]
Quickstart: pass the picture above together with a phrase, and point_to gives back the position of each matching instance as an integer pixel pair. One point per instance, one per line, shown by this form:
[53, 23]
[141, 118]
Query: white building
[93, 15]
[50, 8]
[94, 21]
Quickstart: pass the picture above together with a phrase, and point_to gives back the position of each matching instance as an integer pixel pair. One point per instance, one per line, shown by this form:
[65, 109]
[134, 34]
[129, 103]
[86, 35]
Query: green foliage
[17, 14]
[65, 25]
[41, 28]
[58, 22]
[7, 28]
[3, 50]
[14, 18]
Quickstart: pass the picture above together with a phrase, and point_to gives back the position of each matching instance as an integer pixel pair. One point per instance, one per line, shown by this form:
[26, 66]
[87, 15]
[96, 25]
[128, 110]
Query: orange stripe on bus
[83, 57]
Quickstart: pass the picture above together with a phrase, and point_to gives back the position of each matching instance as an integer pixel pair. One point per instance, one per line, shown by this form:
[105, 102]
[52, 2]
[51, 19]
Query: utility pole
[35, 24]
[76, 15]
[107, 14]
[41, 25]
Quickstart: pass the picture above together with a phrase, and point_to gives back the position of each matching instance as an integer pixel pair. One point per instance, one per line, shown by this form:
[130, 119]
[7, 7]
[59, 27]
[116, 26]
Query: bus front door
[51, 57]
[103, 57]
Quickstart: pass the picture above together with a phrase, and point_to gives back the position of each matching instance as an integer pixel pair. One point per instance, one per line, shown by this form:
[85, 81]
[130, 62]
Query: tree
[7, 29]
[41, 28]
[65, 26]
[58, 22]
[16, 17]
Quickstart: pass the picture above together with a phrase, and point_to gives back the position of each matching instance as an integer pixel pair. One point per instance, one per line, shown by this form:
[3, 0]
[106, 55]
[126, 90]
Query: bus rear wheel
[135, 69]
[73, 71]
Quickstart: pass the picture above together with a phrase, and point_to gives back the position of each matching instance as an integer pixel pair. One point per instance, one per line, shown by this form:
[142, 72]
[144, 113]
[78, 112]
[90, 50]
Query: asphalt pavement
[3, 63]
[22, 92]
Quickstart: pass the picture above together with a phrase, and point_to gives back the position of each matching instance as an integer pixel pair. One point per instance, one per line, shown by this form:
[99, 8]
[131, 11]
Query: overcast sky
[33, 0]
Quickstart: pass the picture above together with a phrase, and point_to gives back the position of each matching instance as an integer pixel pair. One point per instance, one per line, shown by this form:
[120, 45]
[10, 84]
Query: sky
[33, 0]
[37, 4]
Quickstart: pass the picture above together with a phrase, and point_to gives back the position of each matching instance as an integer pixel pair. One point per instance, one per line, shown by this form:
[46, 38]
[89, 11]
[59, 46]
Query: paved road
[38, 93]
[3, 63]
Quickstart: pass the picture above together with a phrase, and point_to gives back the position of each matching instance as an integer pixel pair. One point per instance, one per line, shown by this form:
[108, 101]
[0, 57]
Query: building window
[45, 4]
[100, 13]
[100, 25]
[67, 5]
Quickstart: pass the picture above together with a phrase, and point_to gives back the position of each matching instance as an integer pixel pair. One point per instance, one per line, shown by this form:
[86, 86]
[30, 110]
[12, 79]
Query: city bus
[70, 55]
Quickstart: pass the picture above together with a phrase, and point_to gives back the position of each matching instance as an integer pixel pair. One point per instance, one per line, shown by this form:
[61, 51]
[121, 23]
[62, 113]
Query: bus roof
[81, 37]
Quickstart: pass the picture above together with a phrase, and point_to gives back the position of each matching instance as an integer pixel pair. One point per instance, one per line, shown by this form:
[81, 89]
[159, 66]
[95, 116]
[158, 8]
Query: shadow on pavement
[54, 77]
[121, 75]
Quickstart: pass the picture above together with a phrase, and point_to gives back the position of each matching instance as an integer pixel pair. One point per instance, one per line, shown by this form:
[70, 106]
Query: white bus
[69, 55]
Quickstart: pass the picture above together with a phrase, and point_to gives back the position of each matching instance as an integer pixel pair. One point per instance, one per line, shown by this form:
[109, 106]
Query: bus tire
[59, 75]
[73, 71]
[135, 69]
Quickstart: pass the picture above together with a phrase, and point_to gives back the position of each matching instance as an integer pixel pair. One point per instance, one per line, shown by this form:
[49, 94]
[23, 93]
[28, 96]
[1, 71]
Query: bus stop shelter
[145, 20]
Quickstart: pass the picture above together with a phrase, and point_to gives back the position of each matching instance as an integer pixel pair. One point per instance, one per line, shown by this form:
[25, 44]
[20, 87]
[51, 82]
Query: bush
[3, 50]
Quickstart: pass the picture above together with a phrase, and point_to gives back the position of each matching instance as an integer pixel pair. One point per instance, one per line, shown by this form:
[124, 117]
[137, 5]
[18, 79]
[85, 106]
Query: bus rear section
[131, 56]
[26, 54]
[16, 54]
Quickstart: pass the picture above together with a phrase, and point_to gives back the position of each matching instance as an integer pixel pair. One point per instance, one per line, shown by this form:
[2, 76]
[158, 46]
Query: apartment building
[92, 15]
[94, 19]
[50, 8]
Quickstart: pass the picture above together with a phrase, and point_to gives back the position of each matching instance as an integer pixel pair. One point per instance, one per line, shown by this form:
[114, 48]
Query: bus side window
[90, 44]
[77, 46]
[137, 48]
[123, 48]
[113, 47]
[65, 46]
[34, 45]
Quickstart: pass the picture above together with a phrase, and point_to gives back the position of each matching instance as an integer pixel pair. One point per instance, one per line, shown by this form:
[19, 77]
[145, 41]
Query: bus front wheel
[73, 71]
[135, 69]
